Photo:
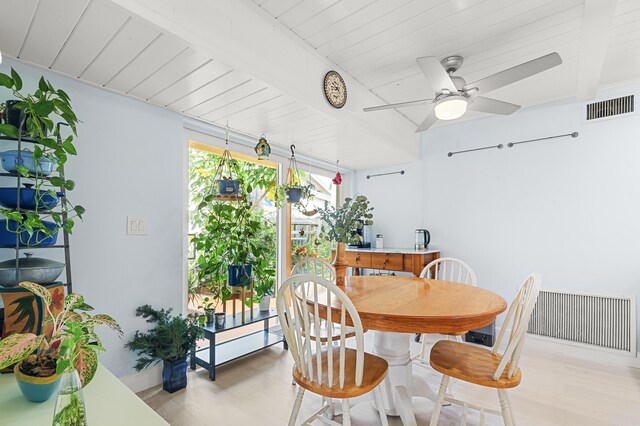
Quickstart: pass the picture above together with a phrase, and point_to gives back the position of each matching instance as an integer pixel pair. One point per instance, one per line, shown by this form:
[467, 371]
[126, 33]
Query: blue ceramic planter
[239, 275]
[9, 198]
[228, 187]
[10, 161]
[39, 238]
[174, 375]
[294, 195]
[36, 389]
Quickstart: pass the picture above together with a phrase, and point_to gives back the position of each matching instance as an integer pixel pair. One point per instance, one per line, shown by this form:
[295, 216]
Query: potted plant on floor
[71, 347]
[169, 341]
[341, 224]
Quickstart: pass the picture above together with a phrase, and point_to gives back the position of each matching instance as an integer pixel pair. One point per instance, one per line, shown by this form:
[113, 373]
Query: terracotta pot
[340, 263]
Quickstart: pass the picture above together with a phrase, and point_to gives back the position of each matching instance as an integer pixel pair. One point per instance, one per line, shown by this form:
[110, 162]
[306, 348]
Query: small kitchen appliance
[422, 239]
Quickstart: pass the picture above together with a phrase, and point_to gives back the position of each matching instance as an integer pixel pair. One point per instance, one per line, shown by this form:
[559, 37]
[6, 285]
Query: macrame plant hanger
[226, 187]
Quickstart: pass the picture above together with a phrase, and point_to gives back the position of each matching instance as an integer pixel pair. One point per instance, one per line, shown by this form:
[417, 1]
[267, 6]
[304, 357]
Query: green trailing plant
[341, 224]
[73, 341]
[280, 193]
[39, 110]
[170, 339]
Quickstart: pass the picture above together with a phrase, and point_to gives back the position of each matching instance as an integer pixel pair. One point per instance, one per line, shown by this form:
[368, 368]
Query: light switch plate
[136, 225]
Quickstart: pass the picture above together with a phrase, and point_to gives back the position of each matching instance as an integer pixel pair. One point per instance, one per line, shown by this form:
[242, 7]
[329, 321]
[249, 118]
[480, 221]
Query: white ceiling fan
[453, 95]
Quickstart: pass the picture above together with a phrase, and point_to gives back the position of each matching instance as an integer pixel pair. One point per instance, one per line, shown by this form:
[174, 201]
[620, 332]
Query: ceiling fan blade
[436, 75]
[398, 105]
[492, 106]
[428, 122]
[517, 73]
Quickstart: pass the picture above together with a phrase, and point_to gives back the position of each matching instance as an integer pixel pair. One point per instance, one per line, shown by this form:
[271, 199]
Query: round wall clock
[335, 90]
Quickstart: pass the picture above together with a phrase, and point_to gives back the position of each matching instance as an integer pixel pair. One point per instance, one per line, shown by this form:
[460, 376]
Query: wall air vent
[610, 107]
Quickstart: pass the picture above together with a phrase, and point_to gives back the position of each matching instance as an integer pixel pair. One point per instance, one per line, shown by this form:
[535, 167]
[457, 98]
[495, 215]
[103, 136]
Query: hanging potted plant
[341, 224]
[32, 117]
[294, 191]
[41, 361]
[169, 341]
[227, 167]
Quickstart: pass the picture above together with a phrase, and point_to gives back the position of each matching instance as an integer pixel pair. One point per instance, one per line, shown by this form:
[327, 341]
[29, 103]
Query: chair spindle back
[315, 266]
[450, 269]
[310, 295]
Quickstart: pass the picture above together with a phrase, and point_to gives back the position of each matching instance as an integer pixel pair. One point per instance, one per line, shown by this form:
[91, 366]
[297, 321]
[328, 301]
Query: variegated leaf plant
[72, 333]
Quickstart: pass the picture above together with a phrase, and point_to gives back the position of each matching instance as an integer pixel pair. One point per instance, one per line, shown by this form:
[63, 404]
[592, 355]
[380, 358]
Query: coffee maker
[365, 237]
[422, 239]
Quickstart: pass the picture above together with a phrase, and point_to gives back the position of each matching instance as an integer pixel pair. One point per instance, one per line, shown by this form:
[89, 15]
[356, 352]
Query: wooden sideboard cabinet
[404, 260]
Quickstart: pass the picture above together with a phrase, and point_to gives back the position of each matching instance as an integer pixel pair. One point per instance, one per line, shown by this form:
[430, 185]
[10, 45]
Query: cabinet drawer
[359, 260]
[392, 262]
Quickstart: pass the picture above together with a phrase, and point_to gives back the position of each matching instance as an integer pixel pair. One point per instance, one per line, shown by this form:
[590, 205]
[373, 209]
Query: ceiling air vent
[610, 107]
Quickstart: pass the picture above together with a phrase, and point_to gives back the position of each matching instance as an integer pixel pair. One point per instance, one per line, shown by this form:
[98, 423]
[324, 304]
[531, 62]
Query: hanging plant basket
[227, 188]
[293, 191]
[294, 195]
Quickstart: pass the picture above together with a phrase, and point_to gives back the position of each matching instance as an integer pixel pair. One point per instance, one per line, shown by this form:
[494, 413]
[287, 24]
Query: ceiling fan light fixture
[451, 107]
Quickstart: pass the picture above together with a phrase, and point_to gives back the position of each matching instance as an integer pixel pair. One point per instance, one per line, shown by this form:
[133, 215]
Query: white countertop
[109, 402]
[393, 250]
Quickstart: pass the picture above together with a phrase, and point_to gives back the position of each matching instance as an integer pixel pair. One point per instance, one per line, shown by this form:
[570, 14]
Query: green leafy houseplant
[281, 193]
[341, 224]
[170, 339]
[39, 110]
[73, 344]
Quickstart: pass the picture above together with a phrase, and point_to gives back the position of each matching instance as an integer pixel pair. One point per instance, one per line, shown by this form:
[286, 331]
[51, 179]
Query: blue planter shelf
[218, 354]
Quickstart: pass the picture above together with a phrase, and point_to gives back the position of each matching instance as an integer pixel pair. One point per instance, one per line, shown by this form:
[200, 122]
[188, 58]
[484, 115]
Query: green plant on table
[73, 322]
[39, 110]
[170, 339]
[341, 224]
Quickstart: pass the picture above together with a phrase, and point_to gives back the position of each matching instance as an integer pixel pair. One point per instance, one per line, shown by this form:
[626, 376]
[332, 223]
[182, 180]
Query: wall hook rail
[573, 135]
[451, 154]
[401, 172]
[512, 144]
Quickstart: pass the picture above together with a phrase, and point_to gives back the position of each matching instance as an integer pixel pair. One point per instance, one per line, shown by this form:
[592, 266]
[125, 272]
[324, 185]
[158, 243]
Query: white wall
[567, 208]
[397, 203]
[130, 162]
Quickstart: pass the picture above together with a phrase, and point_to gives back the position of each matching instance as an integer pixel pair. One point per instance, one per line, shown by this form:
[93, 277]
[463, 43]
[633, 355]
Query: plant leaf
[104, 319]
[9, 130]
[16, 347]
[6, 81]
[87, 365]
[17, 81]
[38, 290]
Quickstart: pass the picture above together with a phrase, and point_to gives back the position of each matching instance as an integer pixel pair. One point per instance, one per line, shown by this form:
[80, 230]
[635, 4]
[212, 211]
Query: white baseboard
[598, 355]
[143, 380]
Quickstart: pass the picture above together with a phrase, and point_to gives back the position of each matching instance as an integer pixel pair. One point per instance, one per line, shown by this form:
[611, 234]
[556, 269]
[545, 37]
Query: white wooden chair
[331, 370]
[447, 269]
[488, 368]
[324, 269]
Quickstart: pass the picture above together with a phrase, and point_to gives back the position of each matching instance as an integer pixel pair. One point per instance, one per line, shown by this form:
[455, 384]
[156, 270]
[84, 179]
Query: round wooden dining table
[397, 307]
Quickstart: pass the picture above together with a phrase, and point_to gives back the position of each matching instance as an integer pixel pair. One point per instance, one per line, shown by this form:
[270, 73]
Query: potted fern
[169, 341]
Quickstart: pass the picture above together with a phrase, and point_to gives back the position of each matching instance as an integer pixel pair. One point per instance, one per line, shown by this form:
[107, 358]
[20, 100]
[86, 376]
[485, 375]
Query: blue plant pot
[9, 197]
[38, 238]
[239, 275]
[294, 195]
[10, 161]
[174, 375]
[36, 389]
[228, 187]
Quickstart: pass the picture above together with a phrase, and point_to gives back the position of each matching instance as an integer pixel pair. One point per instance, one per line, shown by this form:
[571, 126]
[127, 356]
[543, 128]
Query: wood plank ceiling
[374, 41]
[377, 41]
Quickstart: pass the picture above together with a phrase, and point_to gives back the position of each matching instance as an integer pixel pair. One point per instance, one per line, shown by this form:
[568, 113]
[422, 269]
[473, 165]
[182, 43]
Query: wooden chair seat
[375, 369]
[471, 364]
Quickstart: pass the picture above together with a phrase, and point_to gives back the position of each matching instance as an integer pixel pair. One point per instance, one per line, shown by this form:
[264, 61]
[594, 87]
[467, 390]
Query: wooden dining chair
[331, 370]
[320, 268]
[484, 367]
[446, 269]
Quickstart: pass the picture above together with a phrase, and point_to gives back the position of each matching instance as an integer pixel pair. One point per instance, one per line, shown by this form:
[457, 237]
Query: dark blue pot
[9, 198]
[239, 275]
[8, 237]
[228, 187]
[294, 195]
[174, 375]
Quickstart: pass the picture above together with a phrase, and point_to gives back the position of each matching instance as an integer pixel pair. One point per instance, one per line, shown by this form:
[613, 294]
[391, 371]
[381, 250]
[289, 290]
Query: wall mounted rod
[573, 135]
[451, 154]
[401, 172]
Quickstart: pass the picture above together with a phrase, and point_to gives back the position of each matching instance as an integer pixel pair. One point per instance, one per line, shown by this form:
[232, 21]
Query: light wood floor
[556, 389]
